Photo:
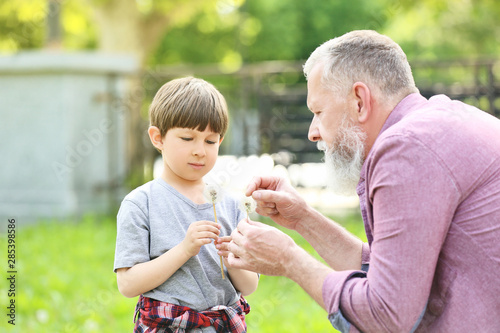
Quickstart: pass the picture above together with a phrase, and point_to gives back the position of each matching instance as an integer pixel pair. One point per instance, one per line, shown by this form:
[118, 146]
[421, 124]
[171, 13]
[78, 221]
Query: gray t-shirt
[154, 218]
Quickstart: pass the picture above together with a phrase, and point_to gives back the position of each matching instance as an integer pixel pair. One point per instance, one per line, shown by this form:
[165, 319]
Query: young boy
[165, 227]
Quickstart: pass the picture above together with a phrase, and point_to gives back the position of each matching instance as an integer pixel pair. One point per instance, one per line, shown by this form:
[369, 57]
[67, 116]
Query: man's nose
[313, 134]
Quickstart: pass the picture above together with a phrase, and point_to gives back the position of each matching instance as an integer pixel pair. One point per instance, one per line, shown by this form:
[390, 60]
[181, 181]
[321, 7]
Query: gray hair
[363, 56]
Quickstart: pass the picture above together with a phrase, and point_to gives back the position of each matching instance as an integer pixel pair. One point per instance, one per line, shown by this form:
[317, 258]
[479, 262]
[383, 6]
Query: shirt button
[436, 306]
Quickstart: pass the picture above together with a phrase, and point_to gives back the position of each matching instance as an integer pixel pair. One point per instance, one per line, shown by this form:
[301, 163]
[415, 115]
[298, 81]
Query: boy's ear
[155, 137]
[220, 140]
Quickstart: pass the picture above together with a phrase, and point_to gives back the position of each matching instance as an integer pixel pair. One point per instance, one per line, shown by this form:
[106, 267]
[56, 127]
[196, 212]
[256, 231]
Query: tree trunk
[53, 39]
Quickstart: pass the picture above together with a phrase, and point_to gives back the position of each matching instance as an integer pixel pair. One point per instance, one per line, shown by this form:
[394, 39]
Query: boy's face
[189, 154]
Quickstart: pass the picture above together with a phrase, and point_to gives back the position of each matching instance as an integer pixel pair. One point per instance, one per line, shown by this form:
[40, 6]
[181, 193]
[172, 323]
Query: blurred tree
[26, 24]
[261, 30]
[238, 31]
[136, 26]
[431, 29]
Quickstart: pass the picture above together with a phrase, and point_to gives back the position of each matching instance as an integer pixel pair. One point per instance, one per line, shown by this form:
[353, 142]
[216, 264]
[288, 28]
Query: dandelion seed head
[212, 193]
[248, 204]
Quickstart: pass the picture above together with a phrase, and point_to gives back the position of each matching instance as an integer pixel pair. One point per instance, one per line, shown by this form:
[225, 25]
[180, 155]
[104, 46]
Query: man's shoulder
[429, 123]
[444, 123]
[450, 133]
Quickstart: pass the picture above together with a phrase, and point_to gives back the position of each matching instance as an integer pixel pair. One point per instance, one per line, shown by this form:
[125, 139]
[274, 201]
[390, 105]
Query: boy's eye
[211, 142]
[187, 139]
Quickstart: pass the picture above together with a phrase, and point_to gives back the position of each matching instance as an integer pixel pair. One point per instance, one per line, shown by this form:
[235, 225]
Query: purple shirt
[430, 199]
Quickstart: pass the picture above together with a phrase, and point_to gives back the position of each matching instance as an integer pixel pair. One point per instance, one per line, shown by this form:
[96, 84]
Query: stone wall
[62, 145]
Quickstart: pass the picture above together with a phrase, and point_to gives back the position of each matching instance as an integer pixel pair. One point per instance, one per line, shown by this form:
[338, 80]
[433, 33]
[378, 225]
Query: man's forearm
[308, 273]
[338, 247]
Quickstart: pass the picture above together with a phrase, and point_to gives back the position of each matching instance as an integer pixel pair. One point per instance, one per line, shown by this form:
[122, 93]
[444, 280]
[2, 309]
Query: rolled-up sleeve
[332, 291]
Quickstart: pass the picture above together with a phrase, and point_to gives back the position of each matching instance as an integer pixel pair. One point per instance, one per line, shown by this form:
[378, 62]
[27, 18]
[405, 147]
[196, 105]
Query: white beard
[344, 159]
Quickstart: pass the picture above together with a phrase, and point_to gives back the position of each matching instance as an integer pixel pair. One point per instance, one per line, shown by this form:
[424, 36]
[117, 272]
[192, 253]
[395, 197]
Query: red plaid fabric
[161, 317]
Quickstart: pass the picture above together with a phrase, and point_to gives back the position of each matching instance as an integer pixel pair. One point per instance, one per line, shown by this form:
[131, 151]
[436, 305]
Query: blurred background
[76, 81]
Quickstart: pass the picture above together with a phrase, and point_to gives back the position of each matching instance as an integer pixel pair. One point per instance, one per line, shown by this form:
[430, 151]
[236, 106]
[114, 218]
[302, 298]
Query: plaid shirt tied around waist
[162, 317]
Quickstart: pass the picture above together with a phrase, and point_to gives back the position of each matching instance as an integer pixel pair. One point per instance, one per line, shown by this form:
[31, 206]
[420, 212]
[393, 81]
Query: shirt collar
[404, 107]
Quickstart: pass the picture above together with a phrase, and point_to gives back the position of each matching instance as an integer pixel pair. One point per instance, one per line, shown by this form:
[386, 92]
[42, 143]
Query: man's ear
[155, 137]
[363, 97]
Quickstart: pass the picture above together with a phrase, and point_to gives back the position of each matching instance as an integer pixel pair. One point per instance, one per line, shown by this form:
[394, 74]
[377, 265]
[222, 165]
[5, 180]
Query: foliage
[290, 30]
[23, 25]
[233, 32]
[445, 29]
[66, 284]
[262, 30]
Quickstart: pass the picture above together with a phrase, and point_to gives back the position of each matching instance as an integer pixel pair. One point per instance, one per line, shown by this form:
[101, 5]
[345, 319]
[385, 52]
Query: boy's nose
[199, 150]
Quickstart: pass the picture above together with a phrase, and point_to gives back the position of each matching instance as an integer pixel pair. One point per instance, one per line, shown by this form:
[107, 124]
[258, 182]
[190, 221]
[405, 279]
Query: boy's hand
[221, 244]
[198, 234]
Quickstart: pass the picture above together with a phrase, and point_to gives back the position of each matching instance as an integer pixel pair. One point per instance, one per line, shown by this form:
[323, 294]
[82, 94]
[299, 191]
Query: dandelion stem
[221, 262]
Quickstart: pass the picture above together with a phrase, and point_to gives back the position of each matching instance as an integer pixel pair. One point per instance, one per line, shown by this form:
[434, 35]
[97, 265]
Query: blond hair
[189, 103]
[363, 56]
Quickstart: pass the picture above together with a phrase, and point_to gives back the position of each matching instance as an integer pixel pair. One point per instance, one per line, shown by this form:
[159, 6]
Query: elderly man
[427, 173]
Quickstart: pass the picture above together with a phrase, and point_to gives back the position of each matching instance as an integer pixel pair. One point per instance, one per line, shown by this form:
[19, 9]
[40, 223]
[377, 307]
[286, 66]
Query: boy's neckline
[182, 196]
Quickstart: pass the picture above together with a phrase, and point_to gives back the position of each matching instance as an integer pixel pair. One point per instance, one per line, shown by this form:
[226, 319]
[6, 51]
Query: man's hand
[260, 248]
[277, 199]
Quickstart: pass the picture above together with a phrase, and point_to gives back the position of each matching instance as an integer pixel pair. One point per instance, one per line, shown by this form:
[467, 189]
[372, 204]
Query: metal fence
[274, 94]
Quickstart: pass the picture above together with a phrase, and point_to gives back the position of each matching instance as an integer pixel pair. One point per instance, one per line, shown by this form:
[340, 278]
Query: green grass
[65, 283]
